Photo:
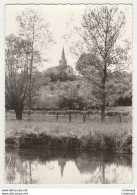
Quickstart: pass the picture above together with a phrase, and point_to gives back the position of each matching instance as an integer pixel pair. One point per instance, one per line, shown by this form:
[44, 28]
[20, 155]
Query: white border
[2, 4]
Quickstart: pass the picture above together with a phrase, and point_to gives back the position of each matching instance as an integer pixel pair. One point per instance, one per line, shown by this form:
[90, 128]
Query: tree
[119, 89]
[17, 73]
[35, 29]
[100, 32]
[17, 57]
[118, 84]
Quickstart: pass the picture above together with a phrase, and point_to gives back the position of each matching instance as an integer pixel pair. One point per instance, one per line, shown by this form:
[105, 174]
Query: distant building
[67, 69]
[61, 72]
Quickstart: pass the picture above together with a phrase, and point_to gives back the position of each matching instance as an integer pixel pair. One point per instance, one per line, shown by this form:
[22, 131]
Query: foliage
[58, 74]
[118, 85]
[34, 28]
[54, 95]
[23, 55]
[79, 94]
[71, 103]
[100, 31]
[119, 89]
[17, 73]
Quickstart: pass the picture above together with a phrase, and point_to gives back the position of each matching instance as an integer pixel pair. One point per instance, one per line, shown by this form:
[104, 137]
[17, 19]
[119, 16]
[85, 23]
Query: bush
[125, 101]
[71, 103]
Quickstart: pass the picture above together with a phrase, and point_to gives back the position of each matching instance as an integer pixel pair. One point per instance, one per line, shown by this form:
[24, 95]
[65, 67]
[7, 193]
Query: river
[36, 166]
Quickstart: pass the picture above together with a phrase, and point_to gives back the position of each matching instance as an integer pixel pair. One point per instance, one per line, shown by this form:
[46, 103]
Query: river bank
[95, 136]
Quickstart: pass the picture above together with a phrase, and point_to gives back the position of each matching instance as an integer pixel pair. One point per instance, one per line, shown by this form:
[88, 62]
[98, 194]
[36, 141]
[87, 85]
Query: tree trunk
[30, 90]
[31, 68]
[19, 111]
[84, 117]
[102, 113]
[103, 106]
[29, 113]
[18, 114]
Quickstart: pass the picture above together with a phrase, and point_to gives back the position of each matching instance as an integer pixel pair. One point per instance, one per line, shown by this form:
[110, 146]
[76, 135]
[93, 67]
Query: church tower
[63, 61]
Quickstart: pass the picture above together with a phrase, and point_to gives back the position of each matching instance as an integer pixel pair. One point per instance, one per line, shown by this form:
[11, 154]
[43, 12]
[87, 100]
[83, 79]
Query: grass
[120, 108]
[77, 117]
[90, 136]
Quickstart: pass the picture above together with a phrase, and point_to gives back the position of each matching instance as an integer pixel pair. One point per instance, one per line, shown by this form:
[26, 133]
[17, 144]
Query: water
[23, 166]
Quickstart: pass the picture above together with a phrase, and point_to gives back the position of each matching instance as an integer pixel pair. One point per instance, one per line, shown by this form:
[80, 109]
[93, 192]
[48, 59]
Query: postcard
[68, 94]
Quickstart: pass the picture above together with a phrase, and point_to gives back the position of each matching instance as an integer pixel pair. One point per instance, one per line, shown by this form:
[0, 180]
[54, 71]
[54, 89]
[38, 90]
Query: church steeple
[63, 54]
[63, 61]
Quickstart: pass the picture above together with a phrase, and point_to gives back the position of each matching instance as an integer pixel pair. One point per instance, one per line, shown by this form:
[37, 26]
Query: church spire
[63, 61]
[63, 54]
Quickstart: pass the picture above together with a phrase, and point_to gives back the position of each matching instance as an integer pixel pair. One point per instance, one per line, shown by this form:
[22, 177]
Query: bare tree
[34, 28]
[100, 32]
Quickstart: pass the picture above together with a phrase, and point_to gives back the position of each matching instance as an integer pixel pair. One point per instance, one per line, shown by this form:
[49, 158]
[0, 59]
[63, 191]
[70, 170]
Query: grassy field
[126, 116]
[120, 109]
[111, 136]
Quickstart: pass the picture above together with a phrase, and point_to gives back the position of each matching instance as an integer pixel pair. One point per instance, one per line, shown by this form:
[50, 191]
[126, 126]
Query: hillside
[79, 93]
[51, 96]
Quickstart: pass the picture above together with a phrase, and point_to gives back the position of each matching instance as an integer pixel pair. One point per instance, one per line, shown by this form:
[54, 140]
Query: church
[67, 69]
[61, 72]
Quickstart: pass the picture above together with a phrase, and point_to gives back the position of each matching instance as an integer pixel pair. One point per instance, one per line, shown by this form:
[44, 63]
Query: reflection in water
[25, 166]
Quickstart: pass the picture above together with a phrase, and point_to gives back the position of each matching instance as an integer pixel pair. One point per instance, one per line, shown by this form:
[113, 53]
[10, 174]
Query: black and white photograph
[68, 94]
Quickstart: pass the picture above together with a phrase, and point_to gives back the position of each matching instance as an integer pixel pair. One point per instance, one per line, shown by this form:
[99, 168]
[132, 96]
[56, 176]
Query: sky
[58, 16]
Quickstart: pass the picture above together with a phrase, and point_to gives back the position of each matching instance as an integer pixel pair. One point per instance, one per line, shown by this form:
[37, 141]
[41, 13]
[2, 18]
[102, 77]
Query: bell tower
[63, 61]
